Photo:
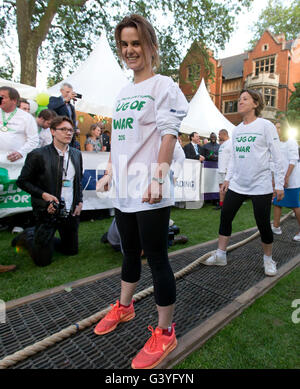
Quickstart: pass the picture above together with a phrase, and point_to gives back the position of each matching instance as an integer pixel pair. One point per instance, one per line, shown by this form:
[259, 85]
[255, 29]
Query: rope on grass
[33, 349]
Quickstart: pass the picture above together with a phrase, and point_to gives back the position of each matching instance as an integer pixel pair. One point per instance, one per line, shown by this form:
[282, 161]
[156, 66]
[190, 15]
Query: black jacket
[190, 152]
[58, 105]
[210, 151]
[42, 172]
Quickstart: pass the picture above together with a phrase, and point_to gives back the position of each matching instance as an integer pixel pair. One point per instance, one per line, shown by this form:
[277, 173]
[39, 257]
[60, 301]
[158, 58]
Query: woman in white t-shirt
[145, 125]
[290, 156]
[254, 143]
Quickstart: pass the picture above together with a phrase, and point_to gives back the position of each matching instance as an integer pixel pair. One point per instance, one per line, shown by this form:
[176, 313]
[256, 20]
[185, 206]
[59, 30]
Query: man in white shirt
[43, 121]
[18, 129]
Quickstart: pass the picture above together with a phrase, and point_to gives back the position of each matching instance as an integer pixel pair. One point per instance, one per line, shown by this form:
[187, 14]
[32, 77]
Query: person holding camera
[63, 107]
[52, 175]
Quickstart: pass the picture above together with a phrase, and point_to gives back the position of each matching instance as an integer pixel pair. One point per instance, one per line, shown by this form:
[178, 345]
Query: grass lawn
[94, 257]
[262, 337]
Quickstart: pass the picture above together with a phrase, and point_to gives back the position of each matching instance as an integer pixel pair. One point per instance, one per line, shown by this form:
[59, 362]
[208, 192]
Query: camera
[78, 96]
[1, 98]
[60, 209]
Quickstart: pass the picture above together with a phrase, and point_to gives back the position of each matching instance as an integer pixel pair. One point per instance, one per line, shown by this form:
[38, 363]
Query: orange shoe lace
[152, 342]
[114, 313]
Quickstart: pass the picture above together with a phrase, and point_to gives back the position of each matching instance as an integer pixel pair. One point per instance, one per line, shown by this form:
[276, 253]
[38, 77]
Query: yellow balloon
[42, 99]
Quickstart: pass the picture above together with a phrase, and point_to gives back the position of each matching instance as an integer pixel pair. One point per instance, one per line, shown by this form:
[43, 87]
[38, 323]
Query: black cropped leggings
[147, 230]
[262, 211]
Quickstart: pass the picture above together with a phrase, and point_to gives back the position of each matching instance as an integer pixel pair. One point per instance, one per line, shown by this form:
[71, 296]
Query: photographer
[63, 107]
[52, 175]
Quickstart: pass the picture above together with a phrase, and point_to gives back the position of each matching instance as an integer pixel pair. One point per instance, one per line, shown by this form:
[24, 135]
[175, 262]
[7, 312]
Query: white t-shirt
[225, 151]
[45, 137]
[290, 156]
[253, 145]
[67, 192]
[143, 114]
[22, 133]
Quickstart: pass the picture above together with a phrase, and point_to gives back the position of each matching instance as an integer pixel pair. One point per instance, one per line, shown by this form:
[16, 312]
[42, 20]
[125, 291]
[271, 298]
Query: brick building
[272, 66]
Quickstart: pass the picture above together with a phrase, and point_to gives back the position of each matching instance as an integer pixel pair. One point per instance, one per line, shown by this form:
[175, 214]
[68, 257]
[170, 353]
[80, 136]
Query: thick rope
[28, 351]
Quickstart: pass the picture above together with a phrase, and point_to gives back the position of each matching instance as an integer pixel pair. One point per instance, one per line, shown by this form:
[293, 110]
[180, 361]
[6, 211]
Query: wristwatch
[159, 180]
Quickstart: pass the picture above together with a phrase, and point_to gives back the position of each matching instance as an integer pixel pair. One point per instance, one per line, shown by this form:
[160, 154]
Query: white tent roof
[99, 80]
[203, 116]
[25, 91]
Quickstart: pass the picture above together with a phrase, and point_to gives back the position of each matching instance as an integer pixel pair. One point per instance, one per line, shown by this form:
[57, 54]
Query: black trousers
[262, 212]
[41, 243]
[147, 230]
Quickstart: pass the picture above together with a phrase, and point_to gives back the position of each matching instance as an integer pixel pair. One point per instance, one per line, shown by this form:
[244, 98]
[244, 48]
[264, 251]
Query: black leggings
[147, 230]
[262, 211]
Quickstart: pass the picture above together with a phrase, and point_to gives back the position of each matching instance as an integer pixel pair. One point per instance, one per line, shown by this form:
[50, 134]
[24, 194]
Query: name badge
[66, 183]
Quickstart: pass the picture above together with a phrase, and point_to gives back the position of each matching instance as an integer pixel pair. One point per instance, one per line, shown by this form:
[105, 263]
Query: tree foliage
[64, 32]
[278, 19]
[293, 111]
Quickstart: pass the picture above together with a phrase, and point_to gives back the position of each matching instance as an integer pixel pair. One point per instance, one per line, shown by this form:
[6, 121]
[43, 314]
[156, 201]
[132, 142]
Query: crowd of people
[250, 165]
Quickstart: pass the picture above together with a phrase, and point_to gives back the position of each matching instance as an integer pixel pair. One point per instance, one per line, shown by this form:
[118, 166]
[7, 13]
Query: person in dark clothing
[192, 150]
[211, 149]
[52, 175]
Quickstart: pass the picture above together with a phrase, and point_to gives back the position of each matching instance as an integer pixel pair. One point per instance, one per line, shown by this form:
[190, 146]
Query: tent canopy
[99, 80]
[203, 116]
[25, 91]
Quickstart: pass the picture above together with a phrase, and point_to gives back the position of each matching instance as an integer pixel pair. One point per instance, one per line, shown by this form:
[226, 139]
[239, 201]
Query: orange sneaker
[155, 350]
[114, 317]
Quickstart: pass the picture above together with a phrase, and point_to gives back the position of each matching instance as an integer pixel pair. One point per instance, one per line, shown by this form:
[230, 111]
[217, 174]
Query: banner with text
[13, 200]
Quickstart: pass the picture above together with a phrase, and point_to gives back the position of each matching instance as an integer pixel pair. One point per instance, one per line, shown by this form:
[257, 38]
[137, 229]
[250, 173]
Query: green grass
[94, 257]
[262, 337]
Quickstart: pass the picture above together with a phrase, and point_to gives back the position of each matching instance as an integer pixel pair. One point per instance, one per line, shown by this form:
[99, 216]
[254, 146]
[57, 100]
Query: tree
[278, 19]
[293, 111]
[64, 31]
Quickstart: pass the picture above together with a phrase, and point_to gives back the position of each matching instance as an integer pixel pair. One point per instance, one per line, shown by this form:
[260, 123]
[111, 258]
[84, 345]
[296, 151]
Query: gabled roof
[233, 66]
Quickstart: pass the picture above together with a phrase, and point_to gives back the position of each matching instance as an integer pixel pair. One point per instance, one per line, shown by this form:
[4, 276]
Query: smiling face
[133, 54]
[246, 104]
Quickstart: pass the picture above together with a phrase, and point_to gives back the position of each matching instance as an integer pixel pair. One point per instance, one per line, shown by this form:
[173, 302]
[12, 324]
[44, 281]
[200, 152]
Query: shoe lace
[151, 342]
[114, 313]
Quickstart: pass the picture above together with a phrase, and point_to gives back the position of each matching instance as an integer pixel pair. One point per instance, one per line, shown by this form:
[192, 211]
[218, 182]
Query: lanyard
[5, 121]
[65, 171]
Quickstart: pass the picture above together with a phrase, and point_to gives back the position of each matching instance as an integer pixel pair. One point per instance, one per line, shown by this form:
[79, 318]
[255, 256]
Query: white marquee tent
[25, 91]
[99, 80]
[203, 116]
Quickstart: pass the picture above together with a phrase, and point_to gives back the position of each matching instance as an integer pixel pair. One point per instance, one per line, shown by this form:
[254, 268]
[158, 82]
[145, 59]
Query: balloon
[40, 108]
[42, 99]
[33, 106]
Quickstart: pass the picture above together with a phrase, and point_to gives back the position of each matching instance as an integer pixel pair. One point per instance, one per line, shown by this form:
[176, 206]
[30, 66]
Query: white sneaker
[215, 260]
[276, 230]
[297, 237]
[270, 267]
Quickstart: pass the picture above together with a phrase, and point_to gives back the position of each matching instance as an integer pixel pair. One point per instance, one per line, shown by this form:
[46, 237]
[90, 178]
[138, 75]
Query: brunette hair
[58, 120]
[146, 33]
[13, 94]
[257, 98]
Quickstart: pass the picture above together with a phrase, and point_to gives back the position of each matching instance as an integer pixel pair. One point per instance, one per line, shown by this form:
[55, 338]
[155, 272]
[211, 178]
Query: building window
[269, 95]
[193, 72]
[265, 47]
[230, 106]
[266, 65]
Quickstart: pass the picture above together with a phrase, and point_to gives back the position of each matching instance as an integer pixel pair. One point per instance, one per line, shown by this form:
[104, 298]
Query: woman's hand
[224, 187]
[153, 194]
[104, 184]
